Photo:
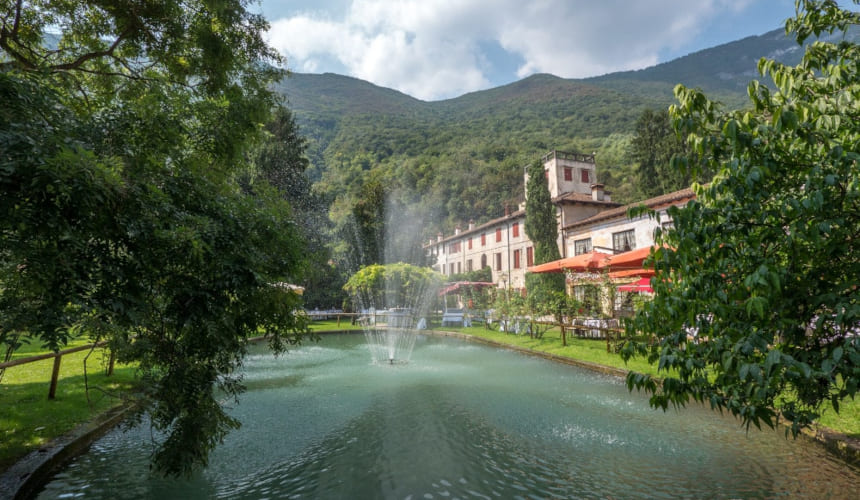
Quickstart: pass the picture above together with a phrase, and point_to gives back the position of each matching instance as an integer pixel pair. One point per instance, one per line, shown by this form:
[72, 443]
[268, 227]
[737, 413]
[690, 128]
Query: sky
[440, 49]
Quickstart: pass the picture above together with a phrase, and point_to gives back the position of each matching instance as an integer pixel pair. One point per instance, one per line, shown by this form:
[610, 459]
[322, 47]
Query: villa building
[588, 220]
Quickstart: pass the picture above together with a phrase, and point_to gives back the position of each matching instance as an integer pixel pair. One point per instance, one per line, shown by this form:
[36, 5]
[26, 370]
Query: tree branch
[77, 63]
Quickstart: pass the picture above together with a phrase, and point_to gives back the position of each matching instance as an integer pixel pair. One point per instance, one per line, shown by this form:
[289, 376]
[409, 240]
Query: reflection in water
[460, 421]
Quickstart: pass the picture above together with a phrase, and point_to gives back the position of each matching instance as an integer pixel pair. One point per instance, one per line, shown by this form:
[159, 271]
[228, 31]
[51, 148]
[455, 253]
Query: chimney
[457, 230]
[471, 224]
[507, 210]
[597, 192]
[438, 236]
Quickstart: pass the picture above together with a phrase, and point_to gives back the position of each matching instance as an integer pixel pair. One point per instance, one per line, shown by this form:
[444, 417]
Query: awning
[627, 273]
[582, 262]
[453, 287]
[641, 286]
[629, 260]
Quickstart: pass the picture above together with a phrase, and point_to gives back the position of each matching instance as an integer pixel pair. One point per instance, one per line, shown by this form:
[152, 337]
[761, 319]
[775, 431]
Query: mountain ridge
[462, 158]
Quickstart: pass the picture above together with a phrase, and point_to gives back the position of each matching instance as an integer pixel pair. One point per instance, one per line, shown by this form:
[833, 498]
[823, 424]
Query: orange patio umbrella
[628, 260]
[626, 273]
[580, 262]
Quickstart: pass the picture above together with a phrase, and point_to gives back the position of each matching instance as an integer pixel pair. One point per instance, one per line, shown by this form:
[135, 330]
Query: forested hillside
[459, 159]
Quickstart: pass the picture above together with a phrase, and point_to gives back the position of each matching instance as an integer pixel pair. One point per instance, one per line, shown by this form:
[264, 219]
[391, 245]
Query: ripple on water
[460, 421]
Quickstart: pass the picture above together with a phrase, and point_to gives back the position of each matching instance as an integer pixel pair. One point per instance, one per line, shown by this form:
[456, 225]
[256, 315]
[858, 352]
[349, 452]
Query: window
[498, 234]
[530, 256]
[450, 269]
[483, 261]
[458, 268]
[517, 259]
[581, 246]
[483, 239]
[455, 247]
[498, 262]
[469, 266]
[470, 243]
[589, 297]
[585, 175]
[623, 241]
[516, 229]
[568, 174]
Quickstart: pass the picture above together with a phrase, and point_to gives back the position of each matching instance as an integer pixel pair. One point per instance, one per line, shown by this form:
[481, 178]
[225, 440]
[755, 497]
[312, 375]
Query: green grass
[331, 325]
[847, 421]
[584, 349]
[28, 419]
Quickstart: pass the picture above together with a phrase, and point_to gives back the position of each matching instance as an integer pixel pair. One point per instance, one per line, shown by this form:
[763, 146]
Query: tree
[399, 285]
[120, 214]
[653, 147]
[542, 229]
[365, 231]
[757, 307]
[280, 160]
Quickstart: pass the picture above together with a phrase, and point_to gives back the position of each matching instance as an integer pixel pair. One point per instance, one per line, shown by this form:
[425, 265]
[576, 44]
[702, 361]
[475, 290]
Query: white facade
[587, 220]
[612, 231]
[500, 244]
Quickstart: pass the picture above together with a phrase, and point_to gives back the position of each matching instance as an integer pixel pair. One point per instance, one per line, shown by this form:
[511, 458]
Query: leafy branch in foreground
[756, 309]
[120, 211]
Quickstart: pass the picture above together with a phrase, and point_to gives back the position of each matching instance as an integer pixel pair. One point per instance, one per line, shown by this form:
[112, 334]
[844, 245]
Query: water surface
[461, 420]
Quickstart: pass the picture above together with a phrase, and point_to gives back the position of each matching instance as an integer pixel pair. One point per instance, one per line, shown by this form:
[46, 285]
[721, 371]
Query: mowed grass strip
[29, 420]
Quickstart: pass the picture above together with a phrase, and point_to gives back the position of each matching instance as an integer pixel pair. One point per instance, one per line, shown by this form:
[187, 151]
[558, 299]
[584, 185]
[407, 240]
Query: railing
[566, 155]
[58, 356]
[590, 328]
[321, 315]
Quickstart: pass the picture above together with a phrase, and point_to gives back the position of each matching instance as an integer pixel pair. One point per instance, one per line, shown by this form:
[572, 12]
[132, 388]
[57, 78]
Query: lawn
[28, 419]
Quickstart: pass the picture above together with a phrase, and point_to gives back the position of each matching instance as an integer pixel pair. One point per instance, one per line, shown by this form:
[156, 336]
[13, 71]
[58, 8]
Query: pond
[461, 420]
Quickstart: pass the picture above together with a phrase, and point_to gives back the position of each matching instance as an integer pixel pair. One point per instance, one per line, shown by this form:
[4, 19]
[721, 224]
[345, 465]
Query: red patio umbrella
[580, 262]
[641, 286]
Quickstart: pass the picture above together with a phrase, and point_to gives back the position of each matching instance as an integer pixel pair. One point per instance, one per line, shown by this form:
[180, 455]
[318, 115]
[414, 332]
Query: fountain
[394, 300]
[463, 420]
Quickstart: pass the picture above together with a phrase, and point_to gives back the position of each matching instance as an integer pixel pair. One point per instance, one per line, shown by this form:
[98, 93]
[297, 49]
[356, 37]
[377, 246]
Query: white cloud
[430, 49]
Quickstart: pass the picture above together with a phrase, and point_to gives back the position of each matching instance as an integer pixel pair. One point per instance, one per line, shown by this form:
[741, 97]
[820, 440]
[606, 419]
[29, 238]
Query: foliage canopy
[120, 213]
[399, 285]
[756, 308]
